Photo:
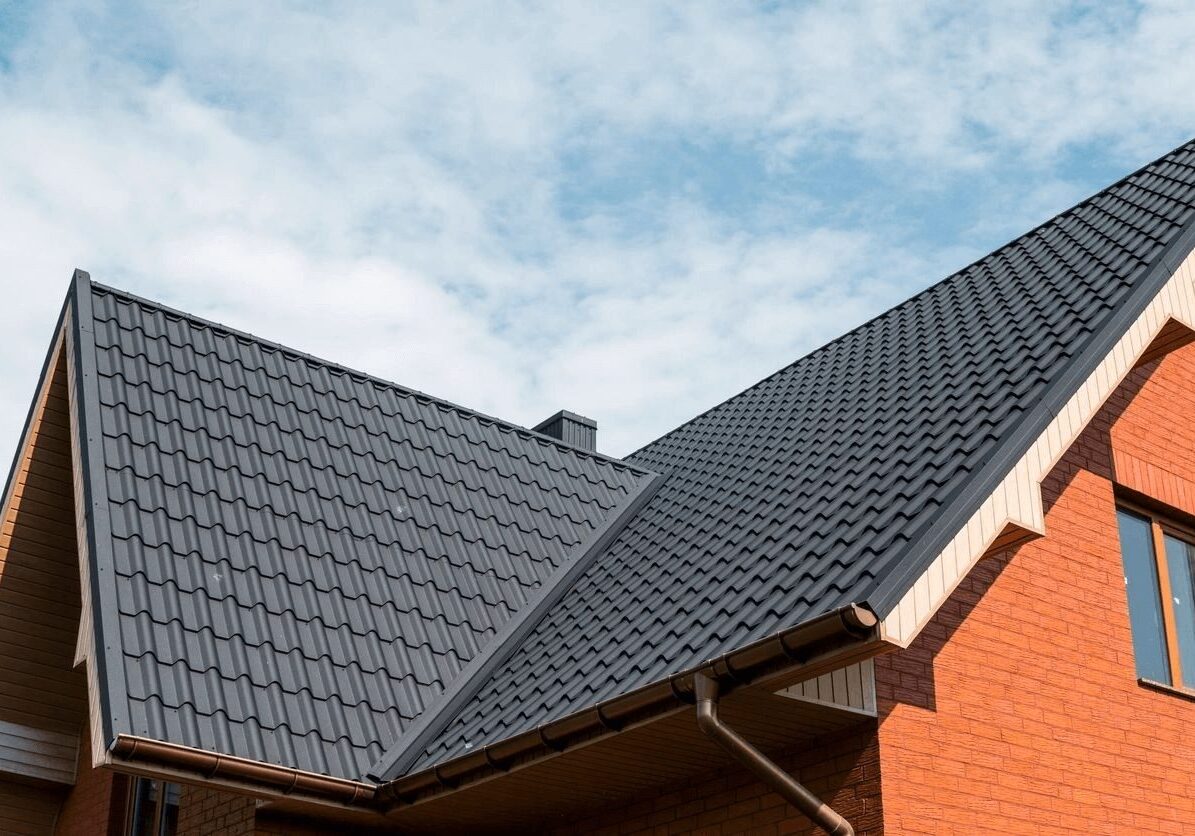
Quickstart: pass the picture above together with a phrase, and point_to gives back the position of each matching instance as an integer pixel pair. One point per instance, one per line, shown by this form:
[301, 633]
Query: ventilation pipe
[767, 771]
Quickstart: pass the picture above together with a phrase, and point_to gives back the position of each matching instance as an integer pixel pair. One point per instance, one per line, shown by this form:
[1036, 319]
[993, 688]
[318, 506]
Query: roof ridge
[340, 368]
[408, 747]
[1054, 219]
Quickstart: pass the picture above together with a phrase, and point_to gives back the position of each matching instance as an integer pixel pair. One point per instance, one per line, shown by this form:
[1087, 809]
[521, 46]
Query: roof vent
[570, 428]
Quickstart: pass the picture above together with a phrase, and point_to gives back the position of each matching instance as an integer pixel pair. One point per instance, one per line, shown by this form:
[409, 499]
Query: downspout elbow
[757, 762]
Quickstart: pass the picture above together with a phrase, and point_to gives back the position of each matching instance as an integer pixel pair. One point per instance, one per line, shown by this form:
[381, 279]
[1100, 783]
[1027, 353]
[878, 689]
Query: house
[934, 577]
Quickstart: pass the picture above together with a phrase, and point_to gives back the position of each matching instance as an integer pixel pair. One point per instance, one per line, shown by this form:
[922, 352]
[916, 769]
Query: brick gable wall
[1018, 710]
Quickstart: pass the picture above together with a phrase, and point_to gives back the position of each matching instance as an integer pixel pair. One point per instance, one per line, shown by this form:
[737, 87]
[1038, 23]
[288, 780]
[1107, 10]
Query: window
[1159, 578]
[153, 808]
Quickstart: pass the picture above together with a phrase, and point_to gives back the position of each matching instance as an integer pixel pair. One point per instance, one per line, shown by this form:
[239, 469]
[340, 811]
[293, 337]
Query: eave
[1157, 319]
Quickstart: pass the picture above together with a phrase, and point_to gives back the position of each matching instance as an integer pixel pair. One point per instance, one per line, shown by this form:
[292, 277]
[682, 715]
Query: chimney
[570, 428]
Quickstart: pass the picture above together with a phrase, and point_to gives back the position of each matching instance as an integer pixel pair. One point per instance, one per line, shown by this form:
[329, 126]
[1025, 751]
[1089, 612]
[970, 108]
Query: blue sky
[630, 210]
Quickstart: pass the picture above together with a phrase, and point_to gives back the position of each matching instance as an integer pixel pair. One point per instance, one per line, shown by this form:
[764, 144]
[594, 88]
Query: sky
[628, 210]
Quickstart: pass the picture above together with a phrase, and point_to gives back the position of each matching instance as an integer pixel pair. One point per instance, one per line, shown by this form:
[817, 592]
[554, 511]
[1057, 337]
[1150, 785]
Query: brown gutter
[788, 787]
[270, 779]
[838, 637]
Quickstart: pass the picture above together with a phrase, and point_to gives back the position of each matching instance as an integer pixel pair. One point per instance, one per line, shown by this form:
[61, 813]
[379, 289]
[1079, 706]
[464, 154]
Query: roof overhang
[1013, 512]
[654, 719]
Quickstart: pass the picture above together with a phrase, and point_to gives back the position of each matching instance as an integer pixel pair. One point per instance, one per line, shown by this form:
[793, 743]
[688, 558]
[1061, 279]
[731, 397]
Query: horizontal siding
[42, 696]
[26, 809]
[37, 753]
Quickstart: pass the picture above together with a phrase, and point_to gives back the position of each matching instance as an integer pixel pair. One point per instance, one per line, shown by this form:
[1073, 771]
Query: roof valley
[409, 747]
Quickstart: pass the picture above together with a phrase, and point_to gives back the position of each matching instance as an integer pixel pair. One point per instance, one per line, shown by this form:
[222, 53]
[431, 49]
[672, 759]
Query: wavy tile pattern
[802, 493]
[304, 556]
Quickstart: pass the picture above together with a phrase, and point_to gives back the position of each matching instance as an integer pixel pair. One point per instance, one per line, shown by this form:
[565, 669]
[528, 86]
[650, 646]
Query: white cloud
[384, 186]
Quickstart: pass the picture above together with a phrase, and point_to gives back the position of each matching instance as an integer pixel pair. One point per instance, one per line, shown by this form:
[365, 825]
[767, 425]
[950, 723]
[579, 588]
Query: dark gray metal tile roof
[303, 557]
[839, 478]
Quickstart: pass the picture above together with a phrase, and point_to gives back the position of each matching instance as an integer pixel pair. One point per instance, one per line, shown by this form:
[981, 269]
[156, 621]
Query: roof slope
[839, 478]
[303, 557]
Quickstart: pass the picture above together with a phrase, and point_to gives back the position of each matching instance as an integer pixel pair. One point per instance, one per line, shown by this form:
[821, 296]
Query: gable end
[1013, 512]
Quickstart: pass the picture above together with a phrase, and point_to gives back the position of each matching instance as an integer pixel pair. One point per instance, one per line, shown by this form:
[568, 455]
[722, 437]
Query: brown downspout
[788, 787]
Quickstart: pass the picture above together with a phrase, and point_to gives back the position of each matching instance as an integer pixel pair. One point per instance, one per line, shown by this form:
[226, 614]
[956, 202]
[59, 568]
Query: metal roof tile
[267, 512]
[813, 488]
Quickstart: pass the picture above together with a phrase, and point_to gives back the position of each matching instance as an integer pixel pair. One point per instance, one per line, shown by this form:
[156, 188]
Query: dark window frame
[1161, 526]
[151, 802]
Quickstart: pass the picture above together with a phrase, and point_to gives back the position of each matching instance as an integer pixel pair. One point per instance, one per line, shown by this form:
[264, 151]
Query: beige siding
[1016, 503]
[851, 688]
[84, 641]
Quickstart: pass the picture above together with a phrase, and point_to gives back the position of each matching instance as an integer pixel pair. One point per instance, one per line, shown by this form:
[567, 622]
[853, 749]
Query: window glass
[1180, 561]
[144, 802]
[1141, 584]
[153, 808]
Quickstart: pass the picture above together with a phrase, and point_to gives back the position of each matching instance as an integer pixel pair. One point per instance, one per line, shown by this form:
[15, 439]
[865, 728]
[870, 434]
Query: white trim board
[1017, 500]
[85, 649]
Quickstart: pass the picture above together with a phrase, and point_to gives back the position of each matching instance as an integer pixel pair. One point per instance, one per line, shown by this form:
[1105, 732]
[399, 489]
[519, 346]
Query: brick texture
[1018, 710]
[207, 812]
[842, 770]
[96, 803]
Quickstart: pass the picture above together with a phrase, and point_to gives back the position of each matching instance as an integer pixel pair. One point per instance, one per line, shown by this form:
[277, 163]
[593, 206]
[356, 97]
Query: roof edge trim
[1014, 511]
[407, 749]
[85, 405]
[519, 430]
[941, 528]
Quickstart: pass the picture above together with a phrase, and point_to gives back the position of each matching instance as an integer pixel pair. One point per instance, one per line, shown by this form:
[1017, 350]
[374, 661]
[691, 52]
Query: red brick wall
[1018, 710]
[96, 803]
[1157, 460]
[842, 770]
[207, 812]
